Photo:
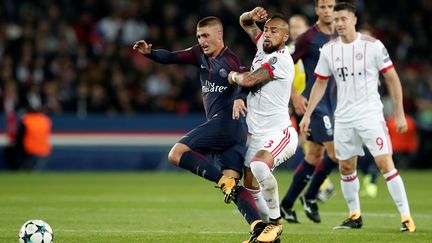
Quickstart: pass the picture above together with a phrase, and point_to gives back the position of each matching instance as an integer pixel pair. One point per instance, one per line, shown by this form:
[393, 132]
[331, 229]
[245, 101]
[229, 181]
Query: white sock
[269, 187]
[263, 209]
[396, 188]
[350, 188]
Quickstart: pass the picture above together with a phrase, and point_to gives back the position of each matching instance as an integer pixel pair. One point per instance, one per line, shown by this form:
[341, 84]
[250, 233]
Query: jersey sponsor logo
[273, 60]
[338, 59]
[203, 66]
[359, 56]
[210, 87]
[342, 72]
[223, 73]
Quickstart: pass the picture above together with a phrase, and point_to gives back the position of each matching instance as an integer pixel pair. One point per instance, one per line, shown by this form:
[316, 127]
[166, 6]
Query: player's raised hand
[401, 124]
[239, 108]
[259, 14]
[304, 125]
[142, 47]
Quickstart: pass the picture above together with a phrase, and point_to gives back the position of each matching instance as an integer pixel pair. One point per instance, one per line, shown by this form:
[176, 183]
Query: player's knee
[346, 168]
[384, 163]
[313, 158]
[174, 156]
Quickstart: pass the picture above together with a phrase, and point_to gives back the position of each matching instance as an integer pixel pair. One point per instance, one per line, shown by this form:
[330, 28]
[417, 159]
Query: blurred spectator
[75, 56]
[33, 139]
[405, 145]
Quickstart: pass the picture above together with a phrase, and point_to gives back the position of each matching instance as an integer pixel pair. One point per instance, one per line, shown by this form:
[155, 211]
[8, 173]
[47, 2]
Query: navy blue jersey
[307, 48]
[218, 95]
[221, 135]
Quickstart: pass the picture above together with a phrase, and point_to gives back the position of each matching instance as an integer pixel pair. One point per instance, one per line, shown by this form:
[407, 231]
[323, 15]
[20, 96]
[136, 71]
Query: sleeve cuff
[386, 68]
[320, 76]
[269, 68]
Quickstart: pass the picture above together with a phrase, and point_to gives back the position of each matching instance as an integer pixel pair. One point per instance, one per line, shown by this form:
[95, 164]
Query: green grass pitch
[181, 207]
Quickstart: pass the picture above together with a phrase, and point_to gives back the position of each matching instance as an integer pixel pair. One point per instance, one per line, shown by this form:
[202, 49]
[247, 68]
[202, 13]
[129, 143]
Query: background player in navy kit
[220, 135]
[307, 48]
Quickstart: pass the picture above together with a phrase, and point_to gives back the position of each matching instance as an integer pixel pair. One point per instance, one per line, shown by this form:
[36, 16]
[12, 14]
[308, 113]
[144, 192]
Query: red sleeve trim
[258, 36]
[386, 69]
[320, 76]
[268, 67]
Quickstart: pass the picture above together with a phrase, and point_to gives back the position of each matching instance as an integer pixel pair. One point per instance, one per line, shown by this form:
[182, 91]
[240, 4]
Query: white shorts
[348, 141]
[282, 144]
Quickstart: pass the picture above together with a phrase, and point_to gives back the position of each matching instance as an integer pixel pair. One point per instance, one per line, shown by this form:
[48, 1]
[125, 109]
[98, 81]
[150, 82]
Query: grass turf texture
[181, 207]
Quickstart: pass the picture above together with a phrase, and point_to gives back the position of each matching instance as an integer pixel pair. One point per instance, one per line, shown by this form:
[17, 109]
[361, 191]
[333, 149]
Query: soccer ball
[36, 231]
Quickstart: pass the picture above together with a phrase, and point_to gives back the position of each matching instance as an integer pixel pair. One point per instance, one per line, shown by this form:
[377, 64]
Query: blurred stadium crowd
[75, 56]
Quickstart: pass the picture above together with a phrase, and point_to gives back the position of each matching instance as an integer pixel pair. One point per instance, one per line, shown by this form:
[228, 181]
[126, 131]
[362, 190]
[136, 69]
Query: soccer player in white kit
[355, 61]
[273, 138]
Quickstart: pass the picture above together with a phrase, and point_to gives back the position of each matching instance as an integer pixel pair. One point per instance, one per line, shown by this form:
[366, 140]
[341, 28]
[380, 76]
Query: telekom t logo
[342, 72]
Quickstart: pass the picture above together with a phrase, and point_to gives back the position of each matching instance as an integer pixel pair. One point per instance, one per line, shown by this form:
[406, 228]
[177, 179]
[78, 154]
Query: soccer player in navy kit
[307, 48]
[220, 135]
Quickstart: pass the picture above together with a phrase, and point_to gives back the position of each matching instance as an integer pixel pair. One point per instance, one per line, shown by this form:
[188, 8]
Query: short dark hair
[345, 6]
[317, 1]
[210, 20]
[279, 16]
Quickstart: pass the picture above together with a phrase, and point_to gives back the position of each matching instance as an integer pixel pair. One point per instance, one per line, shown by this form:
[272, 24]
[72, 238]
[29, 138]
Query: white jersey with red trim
[355, 67]
[268, 103]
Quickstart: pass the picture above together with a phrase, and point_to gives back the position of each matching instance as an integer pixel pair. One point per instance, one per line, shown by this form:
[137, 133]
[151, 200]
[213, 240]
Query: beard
[270, 48]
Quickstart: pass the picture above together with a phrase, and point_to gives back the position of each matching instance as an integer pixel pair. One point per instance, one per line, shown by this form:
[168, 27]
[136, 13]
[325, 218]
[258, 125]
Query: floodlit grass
[181, 207]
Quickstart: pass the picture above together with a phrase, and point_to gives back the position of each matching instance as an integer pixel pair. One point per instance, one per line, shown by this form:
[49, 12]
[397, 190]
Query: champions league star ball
[36, 231]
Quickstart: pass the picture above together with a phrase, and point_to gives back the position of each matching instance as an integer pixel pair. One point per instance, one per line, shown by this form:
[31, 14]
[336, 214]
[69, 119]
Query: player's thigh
[281, 144]
[321, 127]
[347, 143]
[376, 138]
[232, 158]
[215, 135]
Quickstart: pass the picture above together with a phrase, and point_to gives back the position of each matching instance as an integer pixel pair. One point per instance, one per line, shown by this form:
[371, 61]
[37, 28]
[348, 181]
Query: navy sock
[373, 171]
[322, 171]
[200, 165]
[246, 205]
[301, 177]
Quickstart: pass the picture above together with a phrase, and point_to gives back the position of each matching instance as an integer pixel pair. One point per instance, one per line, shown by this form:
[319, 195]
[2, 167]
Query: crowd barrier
[101, 143]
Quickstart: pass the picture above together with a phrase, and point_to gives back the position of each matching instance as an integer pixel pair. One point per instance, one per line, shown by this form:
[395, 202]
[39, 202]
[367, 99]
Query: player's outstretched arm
[249, 19]
[249, 79]
[395, 89]
[164, 56]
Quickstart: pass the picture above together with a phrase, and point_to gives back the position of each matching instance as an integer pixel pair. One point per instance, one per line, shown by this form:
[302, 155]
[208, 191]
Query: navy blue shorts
[223, 138]
[322, 126]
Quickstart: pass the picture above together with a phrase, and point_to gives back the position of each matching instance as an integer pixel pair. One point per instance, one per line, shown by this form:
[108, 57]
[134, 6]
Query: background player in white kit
[273, 139]
[355, 61]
